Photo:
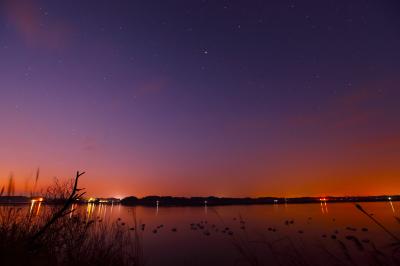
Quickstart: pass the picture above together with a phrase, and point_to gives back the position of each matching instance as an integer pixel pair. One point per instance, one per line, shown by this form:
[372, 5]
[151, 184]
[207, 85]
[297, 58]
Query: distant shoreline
[168, 201]
[215, 201]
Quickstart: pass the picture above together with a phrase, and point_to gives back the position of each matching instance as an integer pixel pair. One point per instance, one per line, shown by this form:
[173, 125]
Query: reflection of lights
[324, 206]
[35, 203]
[38, 207]
[391, 204]
[157, 204]
[90, 209]
[32, 204]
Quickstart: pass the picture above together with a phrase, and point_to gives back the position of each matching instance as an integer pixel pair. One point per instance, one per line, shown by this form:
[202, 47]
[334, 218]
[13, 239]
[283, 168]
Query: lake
[235, 235]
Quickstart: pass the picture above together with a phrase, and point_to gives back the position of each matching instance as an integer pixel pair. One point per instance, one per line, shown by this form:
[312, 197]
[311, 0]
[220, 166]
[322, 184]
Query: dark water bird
[206, 233]
[289, 222]
[155, 231]
[243, 227]
[230, 233]
[300, 231]
[324, 236]
[333, 236]
[351, 228]
[132, 228]
[364, 229]
[174, 229]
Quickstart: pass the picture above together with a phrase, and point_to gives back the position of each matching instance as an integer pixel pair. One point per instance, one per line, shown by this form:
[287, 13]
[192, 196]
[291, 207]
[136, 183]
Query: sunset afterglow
[200, 98]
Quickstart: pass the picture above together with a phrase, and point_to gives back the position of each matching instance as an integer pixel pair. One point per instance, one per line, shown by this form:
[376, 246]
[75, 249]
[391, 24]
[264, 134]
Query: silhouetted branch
[63, 211]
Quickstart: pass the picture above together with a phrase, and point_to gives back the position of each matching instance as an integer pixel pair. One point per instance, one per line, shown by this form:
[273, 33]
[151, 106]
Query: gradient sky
[199, 98]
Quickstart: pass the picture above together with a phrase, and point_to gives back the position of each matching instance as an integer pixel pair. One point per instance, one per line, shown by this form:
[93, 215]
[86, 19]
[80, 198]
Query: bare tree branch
[63, 211]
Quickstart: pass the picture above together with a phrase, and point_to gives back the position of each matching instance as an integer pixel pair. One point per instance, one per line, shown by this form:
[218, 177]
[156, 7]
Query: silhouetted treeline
[209, 201]
[214, 201]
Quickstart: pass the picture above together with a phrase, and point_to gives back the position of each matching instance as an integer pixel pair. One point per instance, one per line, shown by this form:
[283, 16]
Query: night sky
[199, 98]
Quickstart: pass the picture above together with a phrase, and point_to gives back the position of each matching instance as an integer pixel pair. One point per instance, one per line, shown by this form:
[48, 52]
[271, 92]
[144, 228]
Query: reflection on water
[157, 202]
[391, 205]
[324, 207]
[36, 203]
[205, 227]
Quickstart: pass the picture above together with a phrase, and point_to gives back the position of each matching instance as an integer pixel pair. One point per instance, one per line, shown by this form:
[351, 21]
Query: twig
[61, 212]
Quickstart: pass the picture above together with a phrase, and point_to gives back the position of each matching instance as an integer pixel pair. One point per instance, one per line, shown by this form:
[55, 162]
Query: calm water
[286, 228]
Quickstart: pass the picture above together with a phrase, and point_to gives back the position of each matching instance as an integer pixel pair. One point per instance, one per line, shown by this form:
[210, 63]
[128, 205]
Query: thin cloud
[31, 24]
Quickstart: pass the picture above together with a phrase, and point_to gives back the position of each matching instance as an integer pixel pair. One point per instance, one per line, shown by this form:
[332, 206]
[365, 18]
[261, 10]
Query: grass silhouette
[55, 238]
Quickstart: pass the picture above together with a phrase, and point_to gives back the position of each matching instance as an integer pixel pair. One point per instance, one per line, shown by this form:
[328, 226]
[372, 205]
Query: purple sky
[225, 98]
